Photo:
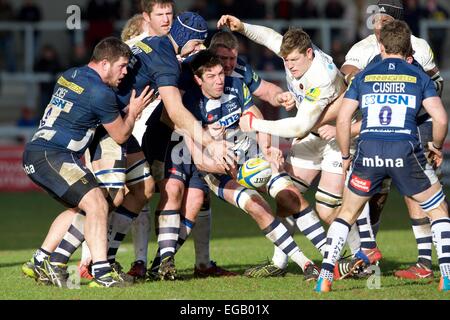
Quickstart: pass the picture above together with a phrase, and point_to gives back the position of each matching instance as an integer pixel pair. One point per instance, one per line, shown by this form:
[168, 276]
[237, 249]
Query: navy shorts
[133, 145]
[403, 161]
[61, 174]
[185, 171]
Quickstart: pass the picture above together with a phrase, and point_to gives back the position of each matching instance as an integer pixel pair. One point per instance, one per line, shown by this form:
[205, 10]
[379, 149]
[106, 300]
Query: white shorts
[315, 153]
[139, 125]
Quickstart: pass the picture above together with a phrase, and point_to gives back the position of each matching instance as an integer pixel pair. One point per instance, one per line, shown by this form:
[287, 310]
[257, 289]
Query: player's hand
[216, 131]
[221, 152]
[327, 132]
[138, 104]
[233, 23]
[275, 157]
[245, 122]
[435, 156]
[286, 100]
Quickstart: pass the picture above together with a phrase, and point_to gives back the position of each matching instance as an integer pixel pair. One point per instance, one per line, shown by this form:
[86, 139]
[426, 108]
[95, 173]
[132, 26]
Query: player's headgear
[188, 26]
[393, 8]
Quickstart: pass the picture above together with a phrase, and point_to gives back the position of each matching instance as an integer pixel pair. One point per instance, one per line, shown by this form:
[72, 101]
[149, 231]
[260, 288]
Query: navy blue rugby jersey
[226, 110]
[80, 102]
[390, 95]
[154, 63]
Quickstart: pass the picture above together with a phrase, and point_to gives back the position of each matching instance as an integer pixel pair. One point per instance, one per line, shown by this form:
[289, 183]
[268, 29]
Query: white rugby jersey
[365, 50]
[321, 84]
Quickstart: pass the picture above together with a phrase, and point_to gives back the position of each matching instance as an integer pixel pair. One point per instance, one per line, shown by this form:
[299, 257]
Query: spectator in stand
[100, 15]
[436, 35]
[412, 15]
[228, 7]
[334, 9]
[31, 13]
[27, 118]
[207, 9]
[7, 55]
[48, 62]
[284, 9]
[255, 9]
[308, 10]
[79, 55]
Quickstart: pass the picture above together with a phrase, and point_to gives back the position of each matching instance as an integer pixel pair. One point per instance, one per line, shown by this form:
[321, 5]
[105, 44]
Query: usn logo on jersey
[387, 111]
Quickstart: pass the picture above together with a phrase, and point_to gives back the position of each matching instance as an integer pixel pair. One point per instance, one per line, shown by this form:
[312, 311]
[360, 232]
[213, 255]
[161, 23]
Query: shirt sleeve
[424, 55]
[251, 78]
[246, 97]
[165, 65]
[104, 105]
[429, 90]
[354, 57]
[353, 89]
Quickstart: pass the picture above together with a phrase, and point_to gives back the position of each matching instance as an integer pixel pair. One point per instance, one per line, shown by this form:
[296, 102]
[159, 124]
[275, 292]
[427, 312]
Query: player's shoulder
[152, 44]
[81, 80]
[420, 45]
[367, 43]
[322, 72]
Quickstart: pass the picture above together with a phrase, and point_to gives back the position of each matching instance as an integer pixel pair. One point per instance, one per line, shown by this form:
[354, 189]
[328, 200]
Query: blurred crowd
[102, 16]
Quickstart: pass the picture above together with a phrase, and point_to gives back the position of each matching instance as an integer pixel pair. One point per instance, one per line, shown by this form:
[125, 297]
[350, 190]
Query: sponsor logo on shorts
[378, 162]
[360, 184]
[29, 169]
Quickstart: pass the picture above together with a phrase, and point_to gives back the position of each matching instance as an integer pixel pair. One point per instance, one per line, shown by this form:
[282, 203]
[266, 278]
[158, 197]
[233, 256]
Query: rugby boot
[265, 270]
[138, 270]
[167, 270]
[119, 275]
[323, 285]
[444, 284]
[108, 280]
[311, 272]
[417, 271]
[213, 271]
[35, 270]
[57, 273]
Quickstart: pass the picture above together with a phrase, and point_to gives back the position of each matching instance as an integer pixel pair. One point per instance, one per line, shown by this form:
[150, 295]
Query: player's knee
[117, 196]
[289, 202]
[257, 207]
[173, 191]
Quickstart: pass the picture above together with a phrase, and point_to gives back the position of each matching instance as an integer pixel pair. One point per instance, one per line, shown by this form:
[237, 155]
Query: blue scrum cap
[188, 26]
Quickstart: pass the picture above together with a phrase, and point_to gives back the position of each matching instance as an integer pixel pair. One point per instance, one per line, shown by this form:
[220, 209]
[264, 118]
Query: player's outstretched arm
[262, 35]
[185, 121]
[121, 128]
[293, 127]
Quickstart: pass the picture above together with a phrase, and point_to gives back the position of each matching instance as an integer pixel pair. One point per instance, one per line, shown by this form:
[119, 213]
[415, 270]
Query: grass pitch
[236, 244]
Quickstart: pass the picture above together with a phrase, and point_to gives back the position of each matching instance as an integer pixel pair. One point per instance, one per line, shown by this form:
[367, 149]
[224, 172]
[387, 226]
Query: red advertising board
[12, 176]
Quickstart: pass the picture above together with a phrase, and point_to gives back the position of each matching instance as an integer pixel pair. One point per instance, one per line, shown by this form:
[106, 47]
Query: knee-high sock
[279, 235]
[365, 229]
[280, 259]
[120, 224]
[422, 233]
[440, 229]
[167, 230]
[336, 238]
[186, 226]
[353, 239]
[202, 235]
[71, 241]
[308, 222]
[140, 229]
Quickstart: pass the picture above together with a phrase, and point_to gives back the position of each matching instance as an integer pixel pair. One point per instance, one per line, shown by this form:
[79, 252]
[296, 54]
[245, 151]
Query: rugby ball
[254, 173]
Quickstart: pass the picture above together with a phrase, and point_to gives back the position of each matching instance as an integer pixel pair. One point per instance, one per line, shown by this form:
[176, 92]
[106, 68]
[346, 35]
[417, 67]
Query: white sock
[202, 234]
[336, 237]
[140, 229]
[279, 235]
[353, 240]
[440, 229]
[120, 224]
[366, 235]
[280, 259]
[309, 224]
[85, 254]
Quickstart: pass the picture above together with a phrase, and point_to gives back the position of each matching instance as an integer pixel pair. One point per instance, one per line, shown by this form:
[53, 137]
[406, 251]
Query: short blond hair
[133, 27]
